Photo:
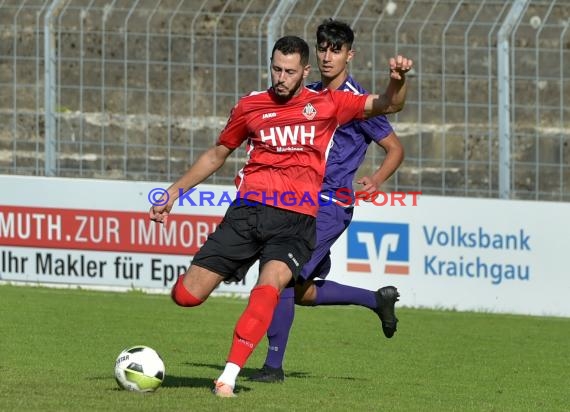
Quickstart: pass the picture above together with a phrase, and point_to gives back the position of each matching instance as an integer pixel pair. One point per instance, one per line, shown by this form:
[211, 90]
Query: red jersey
[287, 144]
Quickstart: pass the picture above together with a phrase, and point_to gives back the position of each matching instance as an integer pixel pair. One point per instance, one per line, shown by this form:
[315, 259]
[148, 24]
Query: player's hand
[159, 213]
[399, 66]
[368, 190]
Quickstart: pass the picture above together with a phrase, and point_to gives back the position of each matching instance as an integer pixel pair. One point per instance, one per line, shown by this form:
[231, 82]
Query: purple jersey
[350, 142]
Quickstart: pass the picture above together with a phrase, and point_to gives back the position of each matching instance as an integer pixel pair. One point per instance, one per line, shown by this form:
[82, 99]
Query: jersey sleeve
[349, 106]
[236, 131]
[376, 128]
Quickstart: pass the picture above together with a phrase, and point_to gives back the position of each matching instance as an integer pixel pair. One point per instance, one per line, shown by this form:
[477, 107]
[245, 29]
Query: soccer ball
[139, 369]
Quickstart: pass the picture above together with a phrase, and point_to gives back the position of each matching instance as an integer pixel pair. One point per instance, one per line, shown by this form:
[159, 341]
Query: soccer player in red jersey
[288, 129]
[312, 288]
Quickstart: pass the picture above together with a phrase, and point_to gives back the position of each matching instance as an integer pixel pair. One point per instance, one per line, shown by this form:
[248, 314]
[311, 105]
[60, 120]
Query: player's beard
[288, 94]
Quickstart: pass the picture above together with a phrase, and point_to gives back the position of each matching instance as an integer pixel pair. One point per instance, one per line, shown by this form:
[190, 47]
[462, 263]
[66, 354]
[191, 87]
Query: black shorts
[255, 231]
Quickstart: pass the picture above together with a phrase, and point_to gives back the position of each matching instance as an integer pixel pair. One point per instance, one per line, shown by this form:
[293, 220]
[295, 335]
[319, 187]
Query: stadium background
[103, 103]
[128, 92]
[135, 89]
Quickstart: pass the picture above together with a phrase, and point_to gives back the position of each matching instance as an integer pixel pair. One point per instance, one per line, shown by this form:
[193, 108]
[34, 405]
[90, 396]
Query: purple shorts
[332, 221]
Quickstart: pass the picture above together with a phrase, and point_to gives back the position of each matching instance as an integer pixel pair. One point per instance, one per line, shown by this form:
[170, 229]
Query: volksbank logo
[379, 248]
[450, 243]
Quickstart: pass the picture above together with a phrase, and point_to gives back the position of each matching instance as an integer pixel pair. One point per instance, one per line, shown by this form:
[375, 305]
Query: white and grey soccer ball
[139, 369]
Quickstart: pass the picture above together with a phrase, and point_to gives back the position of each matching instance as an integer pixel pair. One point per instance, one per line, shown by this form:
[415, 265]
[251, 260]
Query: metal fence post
[50, 141]
[282, 8]
[504, 96]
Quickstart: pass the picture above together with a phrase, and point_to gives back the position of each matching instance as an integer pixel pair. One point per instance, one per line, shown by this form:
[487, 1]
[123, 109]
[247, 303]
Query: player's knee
[305, 294]
[181, 296]
[300, 301]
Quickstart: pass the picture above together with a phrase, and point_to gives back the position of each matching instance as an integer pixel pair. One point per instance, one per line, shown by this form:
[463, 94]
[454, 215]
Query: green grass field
[58, 347]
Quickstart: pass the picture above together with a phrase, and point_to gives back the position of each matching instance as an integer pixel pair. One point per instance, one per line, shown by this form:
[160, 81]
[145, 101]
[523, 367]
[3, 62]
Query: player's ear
[306, 71]
[350, 55]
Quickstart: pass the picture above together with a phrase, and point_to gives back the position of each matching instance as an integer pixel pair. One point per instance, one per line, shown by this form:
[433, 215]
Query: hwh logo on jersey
[380, 248]
[288, 135]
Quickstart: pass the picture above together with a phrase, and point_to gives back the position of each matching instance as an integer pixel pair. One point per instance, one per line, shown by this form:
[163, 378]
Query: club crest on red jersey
[309, 111]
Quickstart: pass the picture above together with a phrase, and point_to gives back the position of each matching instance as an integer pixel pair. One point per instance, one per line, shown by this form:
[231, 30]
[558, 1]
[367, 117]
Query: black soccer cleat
[386, 299]
[268, 374]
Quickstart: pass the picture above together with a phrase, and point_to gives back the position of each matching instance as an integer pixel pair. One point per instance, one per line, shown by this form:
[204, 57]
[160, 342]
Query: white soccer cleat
[223, 390]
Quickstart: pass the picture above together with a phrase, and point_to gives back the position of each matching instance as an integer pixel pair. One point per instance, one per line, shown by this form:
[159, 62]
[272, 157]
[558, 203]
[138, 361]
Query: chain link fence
[136, 89]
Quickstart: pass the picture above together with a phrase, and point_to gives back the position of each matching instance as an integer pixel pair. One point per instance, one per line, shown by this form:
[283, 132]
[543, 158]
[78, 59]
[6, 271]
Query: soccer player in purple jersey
[334, 52]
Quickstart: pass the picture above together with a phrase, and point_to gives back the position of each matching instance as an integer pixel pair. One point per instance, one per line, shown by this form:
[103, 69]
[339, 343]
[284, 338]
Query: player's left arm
[394, 150]
[393, 99]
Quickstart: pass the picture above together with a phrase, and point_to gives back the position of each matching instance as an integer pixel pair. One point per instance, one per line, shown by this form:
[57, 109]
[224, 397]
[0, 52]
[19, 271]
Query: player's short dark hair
[291, 45]
[335, 34]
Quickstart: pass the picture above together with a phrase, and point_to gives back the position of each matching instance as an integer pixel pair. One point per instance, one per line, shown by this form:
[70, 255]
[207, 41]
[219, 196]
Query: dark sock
[278, 332]
[332, 293]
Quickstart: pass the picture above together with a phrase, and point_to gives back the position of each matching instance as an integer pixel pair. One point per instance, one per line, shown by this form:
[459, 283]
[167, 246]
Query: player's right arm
[206, 165]
[234, 133]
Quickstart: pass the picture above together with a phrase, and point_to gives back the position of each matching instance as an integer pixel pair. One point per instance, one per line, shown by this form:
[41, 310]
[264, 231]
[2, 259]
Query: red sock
[253, 323]
[181, 296]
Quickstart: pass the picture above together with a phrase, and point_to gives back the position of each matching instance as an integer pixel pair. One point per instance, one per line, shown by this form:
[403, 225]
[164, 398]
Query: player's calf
[253, 323]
